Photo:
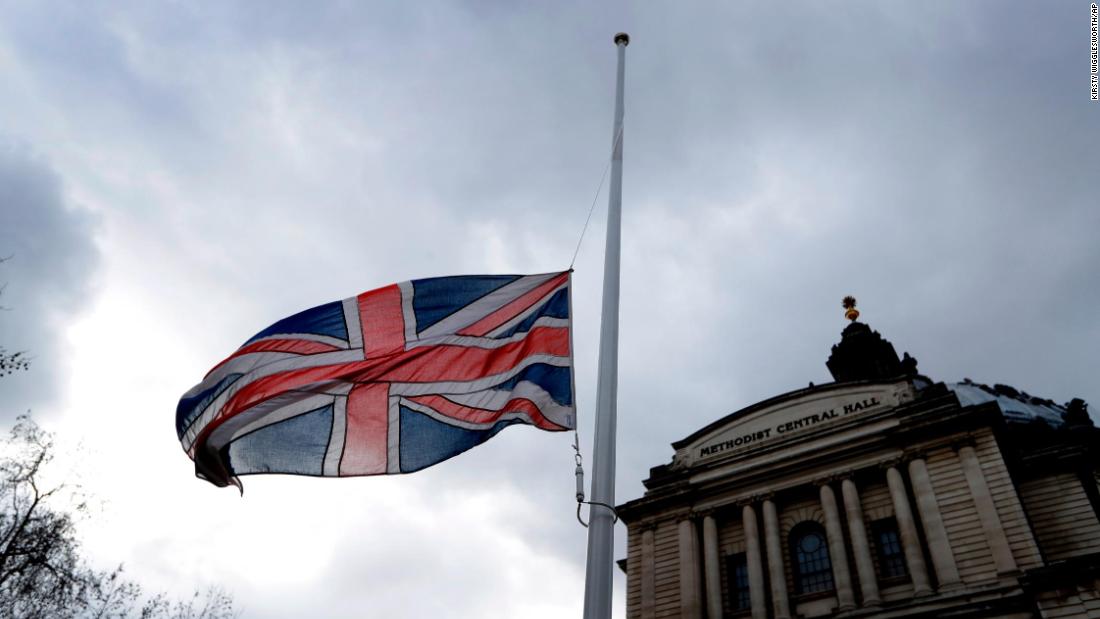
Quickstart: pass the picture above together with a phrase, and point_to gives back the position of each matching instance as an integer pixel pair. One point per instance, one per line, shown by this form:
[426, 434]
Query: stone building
[883, 494]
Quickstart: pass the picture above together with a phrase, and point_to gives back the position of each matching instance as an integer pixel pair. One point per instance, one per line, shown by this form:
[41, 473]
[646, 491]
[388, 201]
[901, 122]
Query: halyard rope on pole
[614, 145]
[579, 471]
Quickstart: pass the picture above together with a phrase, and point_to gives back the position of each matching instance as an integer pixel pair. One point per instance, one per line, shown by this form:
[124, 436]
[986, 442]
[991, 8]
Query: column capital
[964, 441]
[754, 500]
[699, 514]
[891, 463]
[846, 475]
[748, 503]
[686, 516]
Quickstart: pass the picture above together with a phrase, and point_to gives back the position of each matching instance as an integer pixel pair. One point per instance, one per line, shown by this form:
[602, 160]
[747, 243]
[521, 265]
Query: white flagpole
[601, 531]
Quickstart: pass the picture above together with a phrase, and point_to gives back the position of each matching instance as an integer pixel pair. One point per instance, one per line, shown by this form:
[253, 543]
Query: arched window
[813, 571]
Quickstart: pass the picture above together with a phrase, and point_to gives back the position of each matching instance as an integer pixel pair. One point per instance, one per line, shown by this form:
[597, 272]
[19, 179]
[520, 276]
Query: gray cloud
[52, 257]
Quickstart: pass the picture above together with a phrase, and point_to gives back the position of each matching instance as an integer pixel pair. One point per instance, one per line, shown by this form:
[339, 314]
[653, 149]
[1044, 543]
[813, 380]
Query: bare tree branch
[42, 572]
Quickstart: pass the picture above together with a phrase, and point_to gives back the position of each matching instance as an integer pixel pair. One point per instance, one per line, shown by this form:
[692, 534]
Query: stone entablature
[791, 417]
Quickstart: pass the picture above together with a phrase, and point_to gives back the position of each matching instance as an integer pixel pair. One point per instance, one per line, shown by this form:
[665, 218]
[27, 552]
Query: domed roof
[1016, 406]
[863, 354]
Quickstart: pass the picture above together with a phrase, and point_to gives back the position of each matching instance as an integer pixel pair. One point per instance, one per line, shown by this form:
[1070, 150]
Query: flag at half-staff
[390, 381]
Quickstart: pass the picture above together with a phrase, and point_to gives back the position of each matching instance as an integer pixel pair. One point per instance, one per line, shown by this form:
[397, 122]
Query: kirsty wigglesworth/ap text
[1092, 44]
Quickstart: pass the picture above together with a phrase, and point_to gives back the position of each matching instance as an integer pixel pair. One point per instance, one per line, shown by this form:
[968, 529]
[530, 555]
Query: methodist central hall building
[882, 494]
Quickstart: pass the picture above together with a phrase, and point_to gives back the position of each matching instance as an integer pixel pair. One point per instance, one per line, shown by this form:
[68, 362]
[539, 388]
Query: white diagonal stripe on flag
[495, 399]
[484, 306]
[527, 312]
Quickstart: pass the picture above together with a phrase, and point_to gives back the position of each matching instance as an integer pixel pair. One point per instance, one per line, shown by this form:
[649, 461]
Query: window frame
[734, 591]
[888, 525]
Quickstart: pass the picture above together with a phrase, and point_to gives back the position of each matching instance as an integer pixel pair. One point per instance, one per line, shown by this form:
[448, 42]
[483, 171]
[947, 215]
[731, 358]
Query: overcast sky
[175, 176]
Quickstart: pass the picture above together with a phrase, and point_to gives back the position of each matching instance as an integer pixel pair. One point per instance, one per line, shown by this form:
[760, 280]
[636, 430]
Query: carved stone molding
[895, 463]
[905, 394]
[915, 454]
[831, 478]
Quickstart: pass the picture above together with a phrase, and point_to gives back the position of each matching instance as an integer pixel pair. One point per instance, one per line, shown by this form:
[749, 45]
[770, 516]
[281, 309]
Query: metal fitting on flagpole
[580, 485]
[622, 38]
[580, 467]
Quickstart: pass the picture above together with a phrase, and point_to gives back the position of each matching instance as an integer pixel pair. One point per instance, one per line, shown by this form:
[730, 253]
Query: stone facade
[874, 496]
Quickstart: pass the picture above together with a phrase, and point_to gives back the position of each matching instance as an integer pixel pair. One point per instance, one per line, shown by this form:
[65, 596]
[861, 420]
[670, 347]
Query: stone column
[943, 559]
[842, 578]
[861, 550]
[648, 575]
[690, 607]
[774, 547]
[987, 511]
[710, 567]
[910, 540]
[756, 567]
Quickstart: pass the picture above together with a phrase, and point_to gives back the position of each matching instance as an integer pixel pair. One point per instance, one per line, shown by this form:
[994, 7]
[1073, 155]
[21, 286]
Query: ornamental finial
[851, 313]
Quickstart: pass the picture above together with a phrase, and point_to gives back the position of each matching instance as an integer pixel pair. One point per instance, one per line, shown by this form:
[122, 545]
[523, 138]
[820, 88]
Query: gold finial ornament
[851, 313]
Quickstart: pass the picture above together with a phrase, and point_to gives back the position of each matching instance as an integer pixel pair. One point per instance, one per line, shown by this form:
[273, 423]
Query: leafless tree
[42, 572]
[11, 362]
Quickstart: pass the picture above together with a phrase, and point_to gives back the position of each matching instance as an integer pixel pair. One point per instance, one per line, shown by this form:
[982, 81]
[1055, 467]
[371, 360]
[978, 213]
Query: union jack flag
[390, 381]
